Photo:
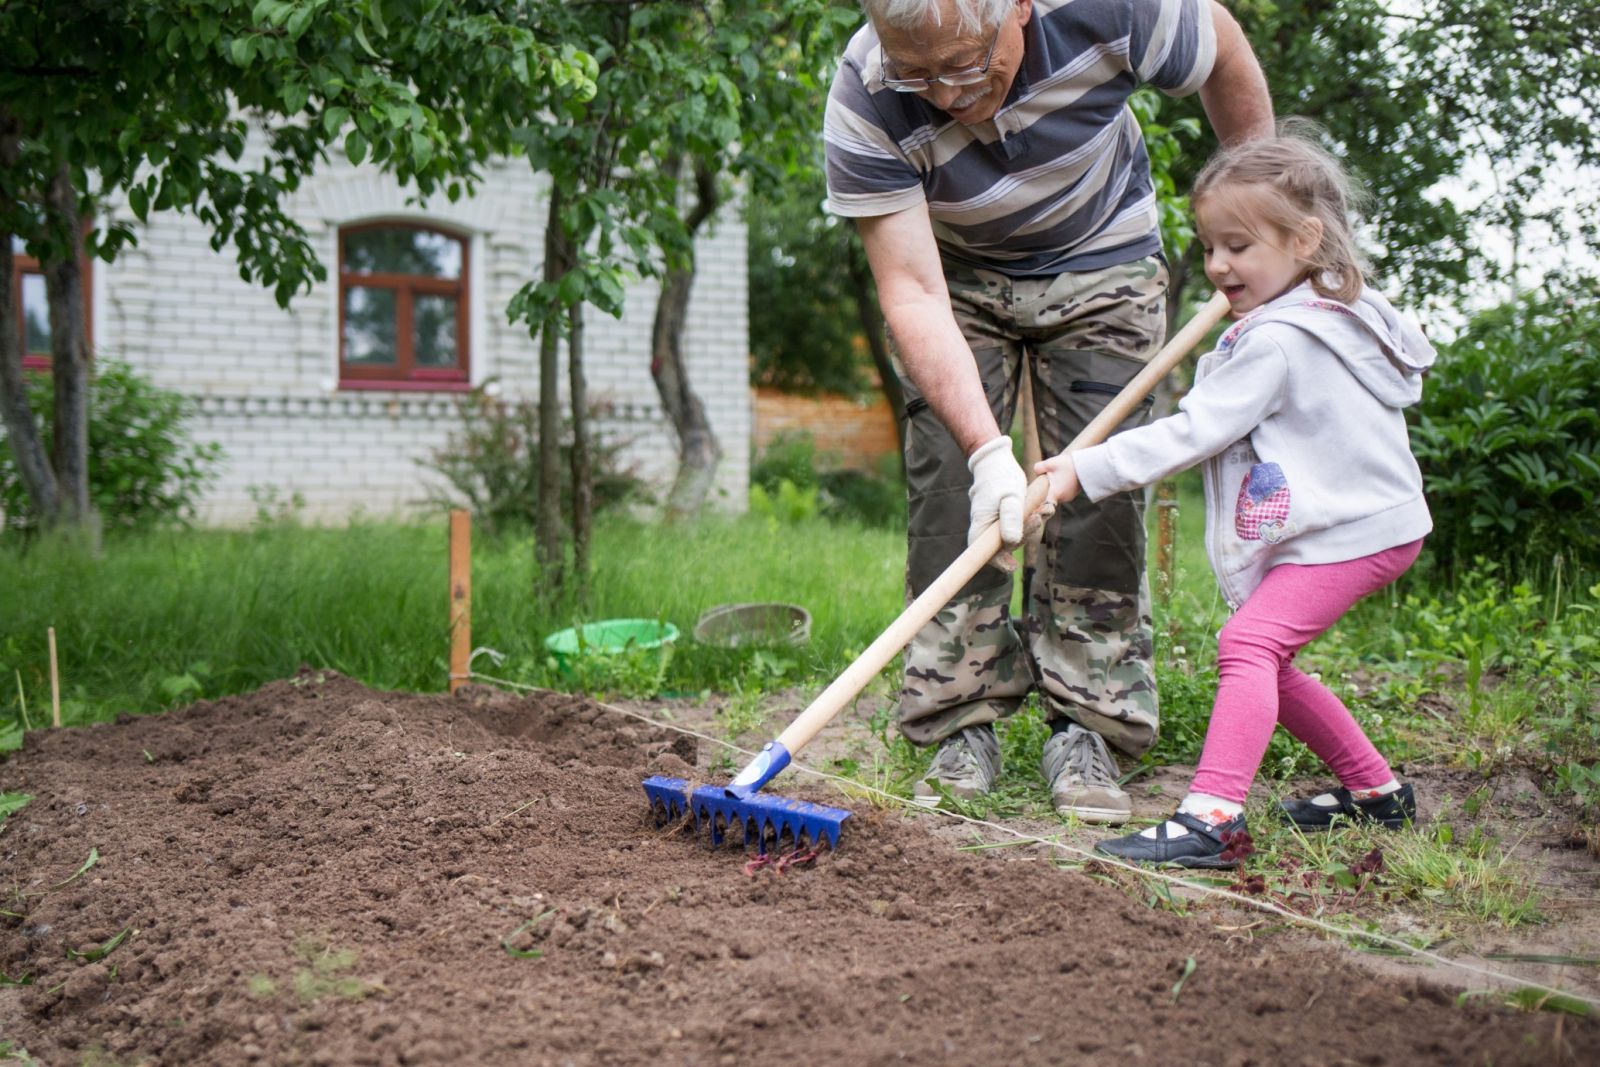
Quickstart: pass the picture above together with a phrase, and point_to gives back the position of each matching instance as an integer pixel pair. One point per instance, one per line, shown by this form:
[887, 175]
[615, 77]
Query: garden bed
[322, 873]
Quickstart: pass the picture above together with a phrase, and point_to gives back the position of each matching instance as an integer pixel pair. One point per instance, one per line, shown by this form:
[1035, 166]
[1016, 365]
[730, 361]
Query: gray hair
[972, 16]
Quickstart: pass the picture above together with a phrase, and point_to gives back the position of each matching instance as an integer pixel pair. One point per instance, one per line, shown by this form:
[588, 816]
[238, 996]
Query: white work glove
[998, 489]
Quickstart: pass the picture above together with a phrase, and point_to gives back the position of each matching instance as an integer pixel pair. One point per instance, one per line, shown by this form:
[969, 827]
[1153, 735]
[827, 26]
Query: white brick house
[305, 402]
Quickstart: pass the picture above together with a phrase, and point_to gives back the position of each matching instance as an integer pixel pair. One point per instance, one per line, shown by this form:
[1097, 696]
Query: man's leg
[1089, 611]
[967, 667]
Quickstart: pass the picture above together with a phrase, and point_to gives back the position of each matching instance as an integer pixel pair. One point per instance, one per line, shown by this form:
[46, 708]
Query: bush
[493, 465]
[1508, 435]
[789, 480]
[143, 467]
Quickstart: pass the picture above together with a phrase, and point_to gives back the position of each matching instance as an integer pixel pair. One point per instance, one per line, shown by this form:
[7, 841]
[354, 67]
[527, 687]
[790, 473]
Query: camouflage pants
[1085, 640]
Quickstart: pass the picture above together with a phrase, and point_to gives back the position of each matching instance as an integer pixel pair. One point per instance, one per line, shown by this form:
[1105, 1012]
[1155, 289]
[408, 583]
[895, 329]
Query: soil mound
[320, 873]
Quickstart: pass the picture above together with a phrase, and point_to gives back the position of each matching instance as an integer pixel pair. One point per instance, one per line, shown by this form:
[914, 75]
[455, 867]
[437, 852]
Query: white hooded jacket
[1297, 416]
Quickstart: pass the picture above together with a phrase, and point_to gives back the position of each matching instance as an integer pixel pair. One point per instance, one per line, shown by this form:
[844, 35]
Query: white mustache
[970, 98]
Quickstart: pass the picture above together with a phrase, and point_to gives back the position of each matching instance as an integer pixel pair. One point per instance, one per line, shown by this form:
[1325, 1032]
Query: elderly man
[1003, 193]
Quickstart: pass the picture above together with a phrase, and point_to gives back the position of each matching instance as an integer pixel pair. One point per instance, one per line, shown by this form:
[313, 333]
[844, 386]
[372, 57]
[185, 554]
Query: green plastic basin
[608, 637]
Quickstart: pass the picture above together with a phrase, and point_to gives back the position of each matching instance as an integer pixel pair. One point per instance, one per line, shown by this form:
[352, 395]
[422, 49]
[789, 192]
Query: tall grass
[163, 618]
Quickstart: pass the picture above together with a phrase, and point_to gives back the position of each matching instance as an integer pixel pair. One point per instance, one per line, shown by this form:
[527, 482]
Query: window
[33, 307]
[402, 308]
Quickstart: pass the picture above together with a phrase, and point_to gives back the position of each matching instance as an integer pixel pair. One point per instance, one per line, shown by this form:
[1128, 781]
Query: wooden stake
[1166, 534]
[55, 683]
[460, 596]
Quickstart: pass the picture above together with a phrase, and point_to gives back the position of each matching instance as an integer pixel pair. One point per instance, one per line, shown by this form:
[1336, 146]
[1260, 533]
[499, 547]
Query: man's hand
[1063, 475]
[998, 489]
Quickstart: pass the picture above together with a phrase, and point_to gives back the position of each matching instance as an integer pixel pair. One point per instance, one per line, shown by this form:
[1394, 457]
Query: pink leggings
[1258, 685]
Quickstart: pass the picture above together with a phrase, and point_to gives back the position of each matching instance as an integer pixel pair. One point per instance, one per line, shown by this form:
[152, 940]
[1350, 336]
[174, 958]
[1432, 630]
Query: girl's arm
[1222, 408]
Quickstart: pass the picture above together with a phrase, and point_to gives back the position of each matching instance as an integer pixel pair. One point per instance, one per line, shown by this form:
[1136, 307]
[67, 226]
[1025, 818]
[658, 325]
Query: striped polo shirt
[1058, 180]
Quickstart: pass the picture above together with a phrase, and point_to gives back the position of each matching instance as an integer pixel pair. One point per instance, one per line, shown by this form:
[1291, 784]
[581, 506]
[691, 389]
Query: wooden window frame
[405, 374]
[21, 264]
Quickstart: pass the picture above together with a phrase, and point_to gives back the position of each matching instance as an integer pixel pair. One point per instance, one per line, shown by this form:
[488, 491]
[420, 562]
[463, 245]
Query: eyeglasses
[970, 76]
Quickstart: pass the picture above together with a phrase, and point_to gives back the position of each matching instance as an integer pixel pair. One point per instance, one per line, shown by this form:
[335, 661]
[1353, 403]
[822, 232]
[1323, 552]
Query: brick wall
[266, 380]
[858, 434]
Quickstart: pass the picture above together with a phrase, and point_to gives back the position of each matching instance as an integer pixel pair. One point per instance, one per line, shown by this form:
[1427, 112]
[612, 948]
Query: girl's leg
[1310, 711]
[1294, 604]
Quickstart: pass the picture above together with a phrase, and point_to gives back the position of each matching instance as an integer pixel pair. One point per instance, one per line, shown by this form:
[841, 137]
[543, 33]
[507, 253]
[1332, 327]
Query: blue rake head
[759, 814]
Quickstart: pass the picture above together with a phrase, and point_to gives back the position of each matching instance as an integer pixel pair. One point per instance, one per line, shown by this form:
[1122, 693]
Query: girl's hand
[1063, 477]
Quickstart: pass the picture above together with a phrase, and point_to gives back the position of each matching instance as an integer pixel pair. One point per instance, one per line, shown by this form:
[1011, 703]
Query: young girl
[1313, 499]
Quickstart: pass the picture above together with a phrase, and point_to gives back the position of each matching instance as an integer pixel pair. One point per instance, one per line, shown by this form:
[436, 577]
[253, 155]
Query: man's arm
[916, 306]
[1235, 95]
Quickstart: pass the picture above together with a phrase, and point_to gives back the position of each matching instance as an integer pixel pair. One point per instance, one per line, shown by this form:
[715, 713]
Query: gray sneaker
[966, 766]
[1083, 777]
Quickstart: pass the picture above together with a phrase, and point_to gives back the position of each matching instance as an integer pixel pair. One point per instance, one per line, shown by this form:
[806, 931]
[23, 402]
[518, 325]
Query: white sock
[1328, 800]
[1211, 810]
[1391, 786]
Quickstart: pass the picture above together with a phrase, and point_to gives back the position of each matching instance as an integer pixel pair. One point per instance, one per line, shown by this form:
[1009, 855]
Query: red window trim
[22, 263]
[405, 375]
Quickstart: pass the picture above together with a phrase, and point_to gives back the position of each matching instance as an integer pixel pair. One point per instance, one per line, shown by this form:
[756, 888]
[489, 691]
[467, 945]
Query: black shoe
[1214, 848]
[1393, 811]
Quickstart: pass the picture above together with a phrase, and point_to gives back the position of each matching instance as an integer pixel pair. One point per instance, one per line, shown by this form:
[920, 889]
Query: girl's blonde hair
[1279, 182]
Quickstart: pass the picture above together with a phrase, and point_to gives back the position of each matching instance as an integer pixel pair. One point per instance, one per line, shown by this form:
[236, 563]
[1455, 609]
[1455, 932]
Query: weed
[13, 1053]
[1473, 877]
[12, 802]
[324, 973]
[742, 713]
[525, 953]
[1187, 969]
[100, 952]
[1529, 999]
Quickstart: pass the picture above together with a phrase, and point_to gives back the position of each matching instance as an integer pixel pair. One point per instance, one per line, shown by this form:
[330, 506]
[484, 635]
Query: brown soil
[321, 873]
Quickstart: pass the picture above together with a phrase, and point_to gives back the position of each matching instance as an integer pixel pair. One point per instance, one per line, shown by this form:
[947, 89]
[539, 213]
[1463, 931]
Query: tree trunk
[550, 548]
[582, 453]
[698, 449]
[22, 430]
[871, 318]
[1180, 272]
[69, 360]
[1180, 276]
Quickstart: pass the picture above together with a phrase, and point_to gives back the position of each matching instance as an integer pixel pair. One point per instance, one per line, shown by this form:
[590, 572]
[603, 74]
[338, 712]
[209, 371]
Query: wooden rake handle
[933, 599]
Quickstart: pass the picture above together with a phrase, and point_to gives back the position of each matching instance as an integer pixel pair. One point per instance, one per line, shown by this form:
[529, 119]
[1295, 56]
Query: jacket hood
[1393, 371]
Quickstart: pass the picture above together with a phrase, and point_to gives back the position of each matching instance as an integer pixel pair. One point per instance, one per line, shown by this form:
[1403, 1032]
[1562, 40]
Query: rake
[764, 817]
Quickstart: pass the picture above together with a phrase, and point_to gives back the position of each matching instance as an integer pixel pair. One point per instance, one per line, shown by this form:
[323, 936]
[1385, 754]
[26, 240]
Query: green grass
[164, 619]
[1445, 871]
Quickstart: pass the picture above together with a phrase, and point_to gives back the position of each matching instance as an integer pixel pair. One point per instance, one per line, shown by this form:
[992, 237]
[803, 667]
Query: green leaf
[366, 45]
[519, 953]
[10, 739]
[12, 802]
[355, 146]
[94, 955]
[1188, 969]
[335, 119]
[421, 150]
[299, 20]
[295, 95]
[378, 24]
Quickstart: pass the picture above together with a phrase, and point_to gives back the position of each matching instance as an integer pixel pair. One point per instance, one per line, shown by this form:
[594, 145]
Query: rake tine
[758, 814]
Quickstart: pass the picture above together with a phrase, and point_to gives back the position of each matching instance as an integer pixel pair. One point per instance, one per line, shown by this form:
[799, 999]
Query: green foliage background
[1508, 435]
[147, 469]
